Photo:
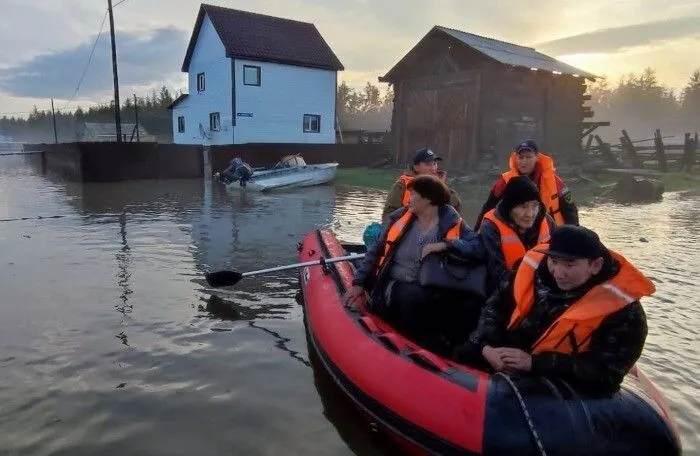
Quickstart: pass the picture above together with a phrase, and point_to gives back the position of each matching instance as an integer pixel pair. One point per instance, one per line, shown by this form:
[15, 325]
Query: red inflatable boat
[435, 406]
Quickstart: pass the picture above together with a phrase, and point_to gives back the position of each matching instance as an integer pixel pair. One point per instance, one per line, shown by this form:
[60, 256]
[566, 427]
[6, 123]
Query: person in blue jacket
[390, 270]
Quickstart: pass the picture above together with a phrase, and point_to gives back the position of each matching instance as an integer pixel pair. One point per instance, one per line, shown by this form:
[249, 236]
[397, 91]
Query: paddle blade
[223, 278]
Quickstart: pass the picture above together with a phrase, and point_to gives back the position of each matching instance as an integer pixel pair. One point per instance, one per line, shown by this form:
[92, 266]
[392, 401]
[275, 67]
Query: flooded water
[106, 346]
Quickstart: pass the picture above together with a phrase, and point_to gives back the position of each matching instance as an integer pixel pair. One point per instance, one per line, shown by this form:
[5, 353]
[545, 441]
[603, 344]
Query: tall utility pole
[117, 114]
[136, 114]
[53, 114]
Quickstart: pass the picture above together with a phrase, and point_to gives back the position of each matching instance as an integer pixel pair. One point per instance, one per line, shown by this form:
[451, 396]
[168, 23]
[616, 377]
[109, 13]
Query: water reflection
[118, 303]
[123, 261]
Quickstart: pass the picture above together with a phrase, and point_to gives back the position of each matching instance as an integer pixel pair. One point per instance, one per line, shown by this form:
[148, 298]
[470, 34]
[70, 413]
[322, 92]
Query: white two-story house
[256, 79]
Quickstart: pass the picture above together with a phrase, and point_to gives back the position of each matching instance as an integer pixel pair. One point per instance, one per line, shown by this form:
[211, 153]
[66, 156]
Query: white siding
[278, 105]
[209, 57]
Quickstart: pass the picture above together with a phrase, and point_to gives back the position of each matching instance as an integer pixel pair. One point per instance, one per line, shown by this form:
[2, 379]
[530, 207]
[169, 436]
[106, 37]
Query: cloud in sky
[44, 45]
[142, 60]
[615, 39]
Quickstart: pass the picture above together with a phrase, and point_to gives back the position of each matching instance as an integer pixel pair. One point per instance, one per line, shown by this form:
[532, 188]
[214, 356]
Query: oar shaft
[307, 263]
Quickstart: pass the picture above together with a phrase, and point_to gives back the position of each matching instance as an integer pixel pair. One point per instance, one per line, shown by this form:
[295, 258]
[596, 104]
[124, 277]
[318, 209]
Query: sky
[45, 46]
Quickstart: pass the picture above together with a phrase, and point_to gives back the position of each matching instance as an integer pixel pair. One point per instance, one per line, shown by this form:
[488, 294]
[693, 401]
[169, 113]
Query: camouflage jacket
[614, 348]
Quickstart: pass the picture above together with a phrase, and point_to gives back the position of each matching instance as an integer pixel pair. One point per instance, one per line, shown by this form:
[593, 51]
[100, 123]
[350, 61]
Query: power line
[87, 65]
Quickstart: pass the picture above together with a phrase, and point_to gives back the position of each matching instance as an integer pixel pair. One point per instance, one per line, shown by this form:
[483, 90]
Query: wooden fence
[651, 153]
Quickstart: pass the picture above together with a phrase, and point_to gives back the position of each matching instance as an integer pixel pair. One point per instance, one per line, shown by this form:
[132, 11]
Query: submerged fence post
[630, 150]
[606, 153]
[689, 149]
[660, 151]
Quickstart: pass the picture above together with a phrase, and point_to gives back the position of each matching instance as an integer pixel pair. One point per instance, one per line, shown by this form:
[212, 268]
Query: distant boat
[290, 172]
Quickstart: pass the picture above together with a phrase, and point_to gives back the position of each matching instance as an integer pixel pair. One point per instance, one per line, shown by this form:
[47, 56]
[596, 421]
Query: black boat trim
[383, 415]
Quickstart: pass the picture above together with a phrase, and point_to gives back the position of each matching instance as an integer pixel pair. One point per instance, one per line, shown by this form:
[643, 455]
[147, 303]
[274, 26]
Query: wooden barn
[472, 99]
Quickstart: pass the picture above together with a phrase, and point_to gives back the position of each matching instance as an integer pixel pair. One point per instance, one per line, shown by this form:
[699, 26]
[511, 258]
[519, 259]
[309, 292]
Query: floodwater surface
[107, 347]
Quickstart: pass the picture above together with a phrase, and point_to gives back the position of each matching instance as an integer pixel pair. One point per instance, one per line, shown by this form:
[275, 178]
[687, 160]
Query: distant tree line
[640, 104]
[364, 109]
[38, 125]
[368, 109]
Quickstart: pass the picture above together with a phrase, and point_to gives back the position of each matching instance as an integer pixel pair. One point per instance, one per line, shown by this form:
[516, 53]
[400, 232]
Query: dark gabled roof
[500, 51]
[264, 38]
[177, 100]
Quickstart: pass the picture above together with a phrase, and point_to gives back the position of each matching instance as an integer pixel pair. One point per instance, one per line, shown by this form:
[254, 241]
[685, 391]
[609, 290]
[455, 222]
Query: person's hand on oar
[229, 278]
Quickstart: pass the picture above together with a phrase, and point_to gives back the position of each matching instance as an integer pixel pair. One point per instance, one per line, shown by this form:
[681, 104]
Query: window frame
[180, 124]
[311, 118]
[214, 121]
[201, 77]
[259, 73]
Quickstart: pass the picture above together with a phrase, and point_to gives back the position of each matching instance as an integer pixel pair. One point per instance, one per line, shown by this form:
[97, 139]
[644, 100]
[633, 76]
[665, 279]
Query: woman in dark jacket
[390, 270]
[518, 223]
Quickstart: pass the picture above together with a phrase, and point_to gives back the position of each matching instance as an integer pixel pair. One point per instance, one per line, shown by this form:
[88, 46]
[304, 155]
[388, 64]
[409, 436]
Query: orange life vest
[399, 227]
[406, 198]
[549, 193]
[572, 331]
[512, 247]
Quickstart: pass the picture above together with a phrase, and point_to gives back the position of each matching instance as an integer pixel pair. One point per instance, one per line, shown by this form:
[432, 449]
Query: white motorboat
[291, 171]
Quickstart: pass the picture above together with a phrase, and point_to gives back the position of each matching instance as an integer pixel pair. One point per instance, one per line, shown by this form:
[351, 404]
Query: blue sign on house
[245, 114]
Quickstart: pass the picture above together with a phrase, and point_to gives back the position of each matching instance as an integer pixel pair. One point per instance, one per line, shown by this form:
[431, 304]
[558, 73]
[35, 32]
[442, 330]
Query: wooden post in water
[55, 132]
[117, 113]
[630, 150]
[660, 151]
[689, 149]
[605, 153]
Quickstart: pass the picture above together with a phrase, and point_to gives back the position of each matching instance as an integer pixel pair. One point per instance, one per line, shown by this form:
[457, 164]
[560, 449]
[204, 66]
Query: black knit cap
[518, 190]
[572, 242]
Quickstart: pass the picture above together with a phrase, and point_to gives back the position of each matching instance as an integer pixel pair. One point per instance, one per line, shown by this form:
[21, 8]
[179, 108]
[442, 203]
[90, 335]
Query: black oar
[229, 278]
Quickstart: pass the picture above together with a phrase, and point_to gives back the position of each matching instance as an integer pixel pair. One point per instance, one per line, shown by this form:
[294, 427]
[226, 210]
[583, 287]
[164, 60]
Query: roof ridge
[251, 13]
[487, 38]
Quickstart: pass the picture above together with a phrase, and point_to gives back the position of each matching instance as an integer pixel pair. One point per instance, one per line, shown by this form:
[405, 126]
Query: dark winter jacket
[468, 246]
[568, 208]
[614, 348]
[500, 274]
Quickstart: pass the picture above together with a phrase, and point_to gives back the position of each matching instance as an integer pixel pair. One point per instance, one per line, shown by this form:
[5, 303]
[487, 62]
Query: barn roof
[500, 51]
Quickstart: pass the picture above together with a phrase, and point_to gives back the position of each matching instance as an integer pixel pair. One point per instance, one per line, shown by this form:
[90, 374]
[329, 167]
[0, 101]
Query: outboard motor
[238, 170]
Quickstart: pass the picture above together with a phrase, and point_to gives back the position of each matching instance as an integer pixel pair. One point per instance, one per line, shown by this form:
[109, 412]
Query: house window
[201, 82]
[181, 124]
[312, 123]
[214, 121]
[251, 75]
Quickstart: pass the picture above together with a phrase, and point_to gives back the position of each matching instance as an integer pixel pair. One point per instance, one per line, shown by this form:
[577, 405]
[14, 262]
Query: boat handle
[389, 341]
[368, 324]
[428, 360]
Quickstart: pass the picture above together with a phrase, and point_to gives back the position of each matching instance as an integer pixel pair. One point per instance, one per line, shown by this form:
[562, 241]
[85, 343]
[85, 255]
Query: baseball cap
[572, 242]
[425, 155]
[527, 146]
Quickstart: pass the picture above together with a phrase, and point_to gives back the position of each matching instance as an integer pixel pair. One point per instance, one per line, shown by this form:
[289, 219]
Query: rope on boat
[523, 407]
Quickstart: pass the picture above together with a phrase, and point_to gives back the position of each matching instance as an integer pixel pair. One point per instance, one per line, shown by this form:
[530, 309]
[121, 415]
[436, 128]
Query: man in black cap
[424, 163]
[572, 312]
[527, 160]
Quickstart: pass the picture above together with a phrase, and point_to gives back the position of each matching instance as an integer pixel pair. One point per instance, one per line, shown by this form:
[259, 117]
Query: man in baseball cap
[527, 160]
[572, 312]
[424, 163]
